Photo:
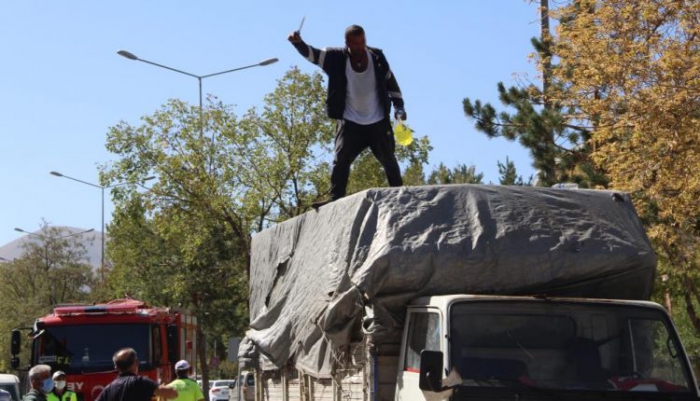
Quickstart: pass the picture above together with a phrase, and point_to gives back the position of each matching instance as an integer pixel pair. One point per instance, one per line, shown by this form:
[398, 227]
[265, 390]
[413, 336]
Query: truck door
[423, 332]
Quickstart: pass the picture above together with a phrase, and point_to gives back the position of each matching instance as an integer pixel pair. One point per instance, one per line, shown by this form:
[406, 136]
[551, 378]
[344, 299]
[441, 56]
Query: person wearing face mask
[60, 392]
[41, 383]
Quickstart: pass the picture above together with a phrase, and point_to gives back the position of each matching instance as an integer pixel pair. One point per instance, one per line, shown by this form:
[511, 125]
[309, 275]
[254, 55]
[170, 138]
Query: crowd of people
[127, 386]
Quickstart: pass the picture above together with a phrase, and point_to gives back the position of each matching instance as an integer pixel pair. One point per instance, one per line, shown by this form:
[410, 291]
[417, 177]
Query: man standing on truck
[41, 383]
[187, 389]
[361, 88]
[129, 385]
[59, 392]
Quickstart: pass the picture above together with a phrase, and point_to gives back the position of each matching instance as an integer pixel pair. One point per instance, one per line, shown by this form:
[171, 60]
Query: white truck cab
[476, 347]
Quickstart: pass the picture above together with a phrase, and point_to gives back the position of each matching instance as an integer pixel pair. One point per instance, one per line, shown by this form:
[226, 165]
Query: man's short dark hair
[353, 30]
[124, 361]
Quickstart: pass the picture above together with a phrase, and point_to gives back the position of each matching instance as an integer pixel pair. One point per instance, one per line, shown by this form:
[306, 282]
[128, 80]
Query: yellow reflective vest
[66, 396]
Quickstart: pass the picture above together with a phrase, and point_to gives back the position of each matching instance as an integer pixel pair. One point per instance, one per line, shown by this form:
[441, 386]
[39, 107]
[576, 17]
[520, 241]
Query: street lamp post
[102, 190]
[131, 56]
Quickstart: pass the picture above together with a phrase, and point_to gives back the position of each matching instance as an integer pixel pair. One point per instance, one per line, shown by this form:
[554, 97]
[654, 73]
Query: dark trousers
[351, 139]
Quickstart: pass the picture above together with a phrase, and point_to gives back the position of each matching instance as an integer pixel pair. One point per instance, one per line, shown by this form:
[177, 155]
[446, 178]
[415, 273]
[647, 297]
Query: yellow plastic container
[403, 134]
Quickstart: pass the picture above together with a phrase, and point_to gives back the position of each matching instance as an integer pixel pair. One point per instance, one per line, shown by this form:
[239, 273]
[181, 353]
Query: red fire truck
[81, 339]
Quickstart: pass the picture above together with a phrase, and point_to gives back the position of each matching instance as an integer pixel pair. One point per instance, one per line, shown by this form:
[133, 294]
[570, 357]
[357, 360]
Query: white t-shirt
[361, 101]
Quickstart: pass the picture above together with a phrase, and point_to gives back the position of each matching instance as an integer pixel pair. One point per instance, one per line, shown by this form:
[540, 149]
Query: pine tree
[461, 174]
[508, 174]
[558, 143]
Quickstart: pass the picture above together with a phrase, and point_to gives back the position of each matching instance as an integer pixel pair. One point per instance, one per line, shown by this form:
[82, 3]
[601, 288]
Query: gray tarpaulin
[323, 279]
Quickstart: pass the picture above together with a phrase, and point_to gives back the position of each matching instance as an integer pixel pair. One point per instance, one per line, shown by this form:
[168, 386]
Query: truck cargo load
[346, 273]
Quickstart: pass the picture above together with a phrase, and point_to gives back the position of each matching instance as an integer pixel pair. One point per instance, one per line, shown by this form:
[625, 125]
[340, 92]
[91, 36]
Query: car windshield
[89, 348]
[223, 383]
[12, 389]
[566, 346]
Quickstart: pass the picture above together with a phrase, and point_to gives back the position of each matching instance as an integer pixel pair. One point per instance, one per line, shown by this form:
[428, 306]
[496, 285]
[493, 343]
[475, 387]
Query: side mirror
[431, 367]
[15, 342]
[173, 350]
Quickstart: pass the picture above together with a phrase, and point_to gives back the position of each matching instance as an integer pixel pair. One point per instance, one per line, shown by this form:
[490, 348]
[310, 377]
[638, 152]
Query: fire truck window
[157, 346]
[53, 350]
[89, 348]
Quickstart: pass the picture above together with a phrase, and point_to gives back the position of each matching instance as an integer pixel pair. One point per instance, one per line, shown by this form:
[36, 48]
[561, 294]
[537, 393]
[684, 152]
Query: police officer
[187, 389]
[60, 392]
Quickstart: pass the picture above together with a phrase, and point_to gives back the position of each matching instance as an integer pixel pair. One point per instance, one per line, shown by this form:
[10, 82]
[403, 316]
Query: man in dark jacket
[129, 386]
[40, 382]
[361, 89]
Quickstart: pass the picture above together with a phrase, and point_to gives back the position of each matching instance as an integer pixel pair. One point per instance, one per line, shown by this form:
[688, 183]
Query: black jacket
[333, 62]
[34, 395]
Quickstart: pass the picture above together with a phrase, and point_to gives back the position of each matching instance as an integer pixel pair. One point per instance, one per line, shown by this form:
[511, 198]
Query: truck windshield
[577, 346]
[89, 348]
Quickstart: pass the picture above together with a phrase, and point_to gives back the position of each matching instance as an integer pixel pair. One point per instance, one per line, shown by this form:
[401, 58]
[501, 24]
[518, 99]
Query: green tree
[286, 149]
[508, 174]
[551, 130]
[52, 269]
[189, 230]
[461, 174]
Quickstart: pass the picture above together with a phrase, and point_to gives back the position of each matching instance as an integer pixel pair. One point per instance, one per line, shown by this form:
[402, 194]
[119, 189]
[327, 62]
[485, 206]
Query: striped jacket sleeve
[392, 85]
[312, 54]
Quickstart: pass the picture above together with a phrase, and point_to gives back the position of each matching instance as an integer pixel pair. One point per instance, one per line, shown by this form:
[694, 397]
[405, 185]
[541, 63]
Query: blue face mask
[47, 385]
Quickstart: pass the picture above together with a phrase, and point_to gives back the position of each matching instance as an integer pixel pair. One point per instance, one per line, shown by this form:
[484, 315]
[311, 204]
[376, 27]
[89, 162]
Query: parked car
[199, 381]
[219, 389]
[10, 383]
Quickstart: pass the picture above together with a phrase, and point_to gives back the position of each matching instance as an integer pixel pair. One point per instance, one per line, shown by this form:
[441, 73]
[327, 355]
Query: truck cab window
[566, 346]
[423, 334]
[656, 352]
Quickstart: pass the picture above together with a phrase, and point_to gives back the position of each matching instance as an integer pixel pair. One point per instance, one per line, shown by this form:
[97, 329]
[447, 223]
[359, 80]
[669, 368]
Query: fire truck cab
[81, 340]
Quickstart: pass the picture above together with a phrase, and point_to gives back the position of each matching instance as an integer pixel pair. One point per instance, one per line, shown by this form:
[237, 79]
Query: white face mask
[60, 384]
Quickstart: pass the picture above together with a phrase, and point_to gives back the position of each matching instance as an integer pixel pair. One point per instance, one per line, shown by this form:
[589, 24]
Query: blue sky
[62, 85]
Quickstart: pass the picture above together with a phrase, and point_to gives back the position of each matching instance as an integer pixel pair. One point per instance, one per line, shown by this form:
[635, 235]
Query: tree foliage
[632, 71]
[286, 149]
[460, 174]
[53, 269]
[182, 242]
[558, 141]
[508, 174]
